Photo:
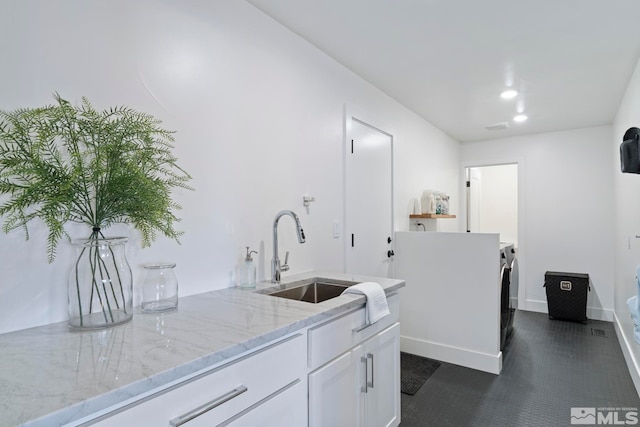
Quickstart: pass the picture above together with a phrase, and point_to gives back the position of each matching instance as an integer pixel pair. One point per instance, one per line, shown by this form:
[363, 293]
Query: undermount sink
[313, 291]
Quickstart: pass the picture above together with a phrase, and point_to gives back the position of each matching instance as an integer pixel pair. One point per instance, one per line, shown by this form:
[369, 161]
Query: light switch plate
[337, 229]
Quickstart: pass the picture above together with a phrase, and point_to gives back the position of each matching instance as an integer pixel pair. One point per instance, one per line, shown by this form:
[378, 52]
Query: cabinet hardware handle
[366, 365]
[362, 328]
[178, 421]
[370, 356]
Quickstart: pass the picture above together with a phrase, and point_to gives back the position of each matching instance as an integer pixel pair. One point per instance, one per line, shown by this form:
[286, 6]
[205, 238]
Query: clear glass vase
[100, 291]
[160, 288]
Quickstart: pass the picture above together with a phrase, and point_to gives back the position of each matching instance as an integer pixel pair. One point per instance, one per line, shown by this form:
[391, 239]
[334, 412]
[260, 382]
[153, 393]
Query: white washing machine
[508, 290]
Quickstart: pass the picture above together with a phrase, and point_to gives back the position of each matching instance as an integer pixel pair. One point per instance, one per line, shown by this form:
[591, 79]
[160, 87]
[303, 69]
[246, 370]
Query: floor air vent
[598, 333]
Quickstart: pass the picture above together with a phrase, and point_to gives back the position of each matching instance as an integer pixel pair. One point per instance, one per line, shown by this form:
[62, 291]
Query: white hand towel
[638, 287]
[632, 303]
[634, 307]
[377, 306]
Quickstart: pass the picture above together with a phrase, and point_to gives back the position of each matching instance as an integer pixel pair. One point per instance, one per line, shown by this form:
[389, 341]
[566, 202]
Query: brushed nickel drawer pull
[178, 421]
[370, 356]
[366, 380]
[362, 328]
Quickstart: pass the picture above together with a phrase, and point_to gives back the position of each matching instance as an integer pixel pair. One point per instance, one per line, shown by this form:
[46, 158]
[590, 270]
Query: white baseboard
[594, 313]
[535, 306]
[458, 356]
[600, 314]
[626, 343]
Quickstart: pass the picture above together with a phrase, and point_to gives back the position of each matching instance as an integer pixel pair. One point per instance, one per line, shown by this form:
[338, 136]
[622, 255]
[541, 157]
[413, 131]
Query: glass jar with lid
[438, 204]
[160, 287]
[445, 204]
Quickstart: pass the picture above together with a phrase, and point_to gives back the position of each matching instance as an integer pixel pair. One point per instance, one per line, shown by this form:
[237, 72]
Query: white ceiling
[448, 60]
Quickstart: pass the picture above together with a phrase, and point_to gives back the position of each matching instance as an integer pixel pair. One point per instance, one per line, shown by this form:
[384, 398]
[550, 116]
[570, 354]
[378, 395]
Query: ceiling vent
[497, 126]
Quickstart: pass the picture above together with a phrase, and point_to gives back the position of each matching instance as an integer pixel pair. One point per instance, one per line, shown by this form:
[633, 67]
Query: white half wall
[259, 118]
[627, 227]
[450, 307]
[566, 219]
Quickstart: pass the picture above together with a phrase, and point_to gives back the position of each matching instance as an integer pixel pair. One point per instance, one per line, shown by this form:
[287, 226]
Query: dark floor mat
[415, 371]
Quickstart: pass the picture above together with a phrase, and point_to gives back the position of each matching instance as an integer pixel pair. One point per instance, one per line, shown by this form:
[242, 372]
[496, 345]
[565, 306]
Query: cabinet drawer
[336, 336]
[287, 408]
[226, 390]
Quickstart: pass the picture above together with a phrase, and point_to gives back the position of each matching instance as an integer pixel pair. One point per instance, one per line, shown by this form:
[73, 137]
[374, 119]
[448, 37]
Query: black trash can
[567, 295]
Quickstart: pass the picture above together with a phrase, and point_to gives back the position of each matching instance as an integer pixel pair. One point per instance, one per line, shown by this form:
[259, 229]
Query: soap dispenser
[246, 275]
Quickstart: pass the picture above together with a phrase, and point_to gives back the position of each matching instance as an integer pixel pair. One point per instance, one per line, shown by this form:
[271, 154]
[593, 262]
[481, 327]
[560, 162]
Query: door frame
[522, 237]
[371, 120]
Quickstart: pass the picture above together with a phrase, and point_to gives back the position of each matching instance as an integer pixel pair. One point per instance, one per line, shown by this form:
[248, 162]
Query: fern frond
[61, 163]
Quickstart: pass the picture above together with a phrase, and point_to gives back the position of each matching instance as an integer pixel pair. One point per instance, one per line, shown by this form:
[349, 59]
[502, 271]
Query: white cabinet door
[382, 397]
[338, 395]
[335, 392]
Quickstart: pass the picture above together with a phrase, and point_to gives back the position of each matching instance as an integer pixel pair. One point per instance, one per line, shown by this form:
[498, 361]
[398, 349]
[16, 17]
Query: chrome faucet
[276, 268]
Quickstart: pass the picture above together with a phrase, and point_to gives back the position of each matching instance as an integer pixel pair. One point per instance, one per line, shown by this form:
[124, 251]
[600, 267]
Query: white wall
[627, 226]
[259, 119]
[429, 164]
[566, 209]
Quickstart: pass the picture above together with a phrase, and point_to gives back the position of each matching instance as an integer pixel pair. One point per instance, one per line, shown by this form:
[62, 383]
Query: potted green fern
[64, 163]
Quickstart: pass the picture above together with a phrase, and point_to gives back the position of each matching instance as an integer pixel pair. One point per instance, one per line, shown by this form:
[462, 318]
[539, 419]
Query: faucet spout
[276, 268]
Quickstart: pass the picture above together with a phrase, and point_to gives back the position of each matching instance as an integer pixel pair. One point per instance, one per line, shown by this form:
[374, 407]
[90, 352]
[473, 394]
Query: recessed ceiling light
[509, 94]
[520, 118]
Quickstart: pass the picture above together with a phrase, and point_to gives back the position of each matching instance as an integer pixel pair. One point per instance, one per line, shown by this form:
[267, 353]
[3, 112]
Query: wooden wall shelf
[431, 216]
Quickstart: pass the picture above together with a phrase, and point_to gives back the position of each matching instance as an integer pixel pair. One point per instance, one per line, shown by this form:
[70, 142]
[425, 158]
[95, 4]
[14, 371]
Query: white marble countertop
[50, 376]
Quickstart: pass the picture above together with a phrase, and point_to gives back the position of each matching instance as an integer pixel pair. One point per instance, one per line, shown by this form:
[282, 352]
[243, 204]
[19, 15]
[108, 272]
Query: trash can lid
[560, 273]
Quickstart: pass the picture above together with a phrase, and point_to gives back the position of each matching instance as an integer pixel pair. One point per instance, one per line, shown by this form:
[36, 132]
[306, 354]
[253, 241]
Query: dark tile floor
[549, 366]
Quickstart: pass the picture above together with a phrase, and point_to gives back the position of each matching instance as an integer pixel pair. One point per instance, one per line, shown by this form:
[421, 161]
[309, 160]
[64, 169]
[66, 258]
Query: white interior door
[369, 200]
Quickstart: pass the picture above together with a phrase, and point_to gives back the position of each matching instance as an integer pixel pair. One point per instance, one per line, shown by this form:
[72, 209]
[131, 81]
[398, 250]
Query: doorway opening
[492, 201]
[493, 205]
